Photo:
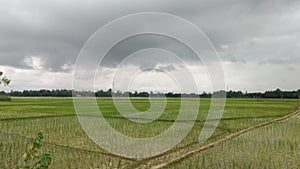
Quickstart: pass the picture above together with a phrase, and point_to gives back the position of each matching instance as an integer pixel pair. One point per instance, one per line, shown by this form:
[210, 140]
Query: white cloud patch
[36, 62]
[254, 77]
[32, 79]
[67, 66]
[160, 79]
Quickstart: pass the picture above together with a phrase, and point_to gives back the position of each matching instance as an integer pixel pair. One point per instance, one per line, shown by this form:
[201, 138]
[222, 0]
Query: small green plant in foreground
[33, 157]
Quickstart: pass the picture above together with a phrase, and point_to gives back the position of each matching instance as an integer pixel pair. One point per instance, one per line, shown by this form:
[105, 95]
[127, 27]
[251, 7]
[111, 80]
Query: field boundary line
[228, 137]
[112, 117]
[35, 117]
[72, 148]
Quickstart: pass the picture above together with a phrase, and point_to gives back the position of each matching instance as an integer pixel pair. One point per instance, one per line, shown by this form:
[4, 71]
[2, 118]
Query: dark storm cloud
[56, 31]
[150, 58]
[252, 30]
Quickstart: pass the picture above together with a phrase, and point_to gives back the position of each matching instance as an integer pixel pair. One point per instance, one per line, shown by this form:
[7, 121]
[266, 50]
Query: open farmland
[22, 118]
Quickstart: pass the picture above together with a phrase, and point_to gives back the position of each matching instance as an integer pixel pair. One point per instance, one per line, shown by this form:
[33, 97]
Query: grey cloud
[58, 30]
[152, 57]
[252, 31]
[168, 68]
[54, 30]
[161, 68]
[237, 60]
[285, 62]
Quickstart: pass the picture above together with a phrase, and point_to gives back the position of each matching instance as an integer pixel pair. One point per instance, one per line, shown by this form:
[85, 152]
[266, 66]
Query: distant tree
[205, 95]
[298, 93]
[4, 80]
[234, 94]
[279, 93]
[273, 94]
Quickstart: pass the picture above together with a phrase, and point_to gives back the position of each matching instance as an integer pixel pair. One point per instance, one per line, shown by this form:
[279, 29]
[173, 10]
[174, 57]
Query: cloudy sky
[258, 43]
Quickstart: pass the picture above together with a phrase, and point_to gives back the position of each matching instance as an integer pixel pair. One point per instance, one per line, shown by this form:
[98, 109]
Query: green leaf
[45, 160]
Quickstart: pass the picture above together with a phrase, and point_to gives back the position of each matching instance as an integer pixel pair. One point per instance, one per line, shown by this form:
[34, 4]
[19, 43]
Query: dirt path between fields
[182, 157]
[70, 147]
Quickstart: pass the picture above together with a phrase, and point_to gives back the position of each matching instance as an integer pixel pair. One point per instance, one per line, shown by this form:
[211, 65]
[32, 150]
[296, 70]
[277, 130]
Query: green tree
[298, 93]
[4, 80]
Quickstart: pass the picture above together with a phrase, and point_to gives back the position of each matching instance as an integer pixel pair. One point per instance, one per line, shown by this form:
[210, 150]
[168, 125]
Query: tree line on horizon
[101, 93]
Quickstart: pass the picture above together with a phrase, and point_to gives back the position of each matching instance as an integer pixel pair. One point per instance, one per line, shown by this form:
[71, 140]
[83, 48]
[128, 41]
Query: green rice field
[274, 146]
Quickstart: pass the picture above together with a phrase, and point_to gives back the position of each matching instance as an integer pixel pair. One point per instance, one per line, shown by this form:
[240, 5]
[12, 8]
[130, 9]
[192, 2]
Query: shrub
[4, 98]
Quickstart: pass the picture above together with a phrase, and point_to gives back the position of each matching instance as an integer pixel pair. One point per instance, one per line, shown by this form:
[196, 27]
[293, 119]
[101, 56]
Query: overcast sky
[258, 42]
